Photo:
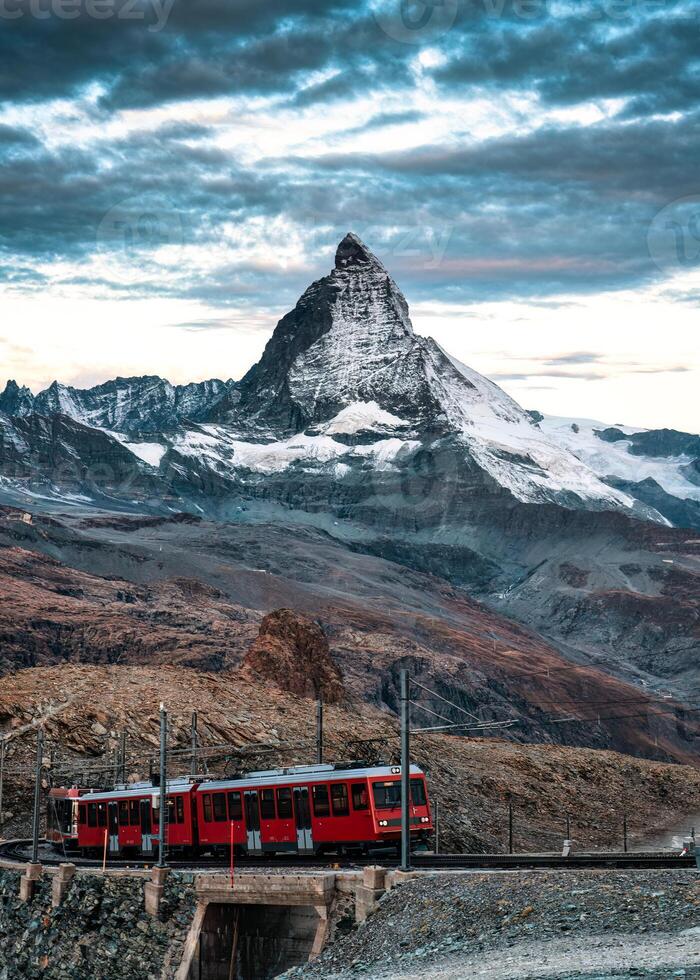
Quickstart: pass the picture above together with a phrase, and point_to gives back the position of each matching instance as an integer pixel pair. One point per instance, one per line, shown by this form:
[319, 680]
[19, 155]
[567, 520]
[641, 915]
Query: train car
[310, 810]
[127, 820]
[299, 810]
[62, 816]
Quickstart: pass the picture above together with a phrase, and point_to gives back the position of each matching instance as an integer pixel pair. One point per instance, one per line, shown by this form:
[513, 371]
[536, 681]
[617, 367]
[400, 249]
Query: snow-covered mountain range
[125, 404]
[345, 385]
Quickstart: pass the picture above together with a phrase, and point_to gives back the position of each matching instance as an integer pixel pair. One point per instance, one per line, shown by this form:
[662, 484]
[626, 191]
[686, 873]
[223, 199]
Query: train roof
[303, 775]
[68, 792]
[139, 789]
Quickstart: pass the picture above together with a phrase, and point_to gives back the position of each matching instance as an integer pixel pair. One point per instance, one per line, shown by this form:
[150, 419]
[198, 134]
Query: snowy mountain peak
[352, 251]
[16, 401]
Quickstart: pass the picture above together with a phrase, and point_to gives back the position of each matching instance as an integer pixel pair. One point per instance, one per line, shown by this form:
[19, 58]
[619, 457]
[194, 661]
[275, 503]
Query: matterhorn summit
[348, 349]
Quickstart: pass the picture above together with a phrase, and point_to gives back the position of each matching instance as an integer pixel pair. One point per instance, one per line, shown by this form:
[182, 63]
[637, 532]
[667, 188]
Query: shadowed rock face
[292, 651]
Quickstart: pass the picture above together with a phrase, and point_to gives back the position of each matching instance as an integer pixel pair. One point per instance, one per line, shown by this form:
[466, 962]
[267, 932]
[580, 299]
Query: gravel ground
[583, 924]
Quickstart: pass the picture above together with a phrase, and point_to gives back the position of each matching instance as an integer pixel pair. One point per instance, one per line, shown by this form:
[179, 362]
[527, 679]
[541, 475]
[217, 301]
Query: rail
[19, 851]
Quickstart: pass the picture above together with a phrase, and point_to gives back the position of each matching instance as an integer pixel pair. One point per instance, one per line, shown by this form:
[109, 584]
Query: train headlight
[424, 820]
[383, 823]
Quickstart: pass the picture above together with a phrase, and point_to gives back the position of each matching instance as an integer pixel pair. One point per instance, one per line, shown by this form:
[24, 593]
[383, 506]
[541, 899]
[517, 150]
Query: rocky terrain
[293, 653]
[524, 926]
[100, 932]
[188, 592]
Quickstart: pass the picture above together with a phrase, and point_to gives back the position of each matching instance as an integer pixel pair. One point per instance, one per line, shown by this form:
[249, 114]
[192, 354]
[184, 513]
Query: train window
[339, 800]
[359, 796]
[284, 802]
[172, 814]
[219, 806]
[123, 813]
[206, 805]
[179, 809]
[235, 810]
[134, 818]
[267, 804]
[101, 814]
[92, 814]
[82, 815]
[321, 807]
[387, 796]
[418, 792]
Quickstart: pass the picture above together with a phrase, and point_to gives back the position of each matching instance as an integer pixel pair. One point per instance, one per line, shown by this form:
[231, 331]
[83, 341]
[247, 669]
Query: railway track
[17, 850]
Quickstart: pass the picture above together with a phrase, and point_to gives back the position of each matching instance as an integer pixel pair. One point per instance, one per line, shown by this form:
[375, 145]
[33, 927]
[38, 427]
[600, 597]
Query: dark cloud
[654, 158]
[165, 50]
[384, 119]
[638, 55]
[11, 136]
[536, 214]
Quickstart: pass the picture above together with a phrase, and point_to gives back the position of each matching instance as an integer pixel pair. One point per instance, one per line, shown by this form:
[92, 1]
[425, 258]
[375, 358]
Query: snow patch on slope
[150, 452]
[219, 448]
[613, 459]
[360, 416]
[504, 441]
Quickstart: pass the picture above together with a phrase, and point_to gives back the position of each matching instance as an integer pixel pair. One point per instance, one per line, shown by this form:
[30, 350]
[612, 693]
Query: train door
[252, 822]
[302, 816]
[194, 819]
[113, 824]
[74, 813]
[146, 827]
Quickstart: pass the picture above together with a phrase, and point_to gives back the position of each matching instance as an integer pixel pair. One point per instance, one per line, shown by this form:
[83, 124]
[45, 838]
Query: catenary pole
[319, 731]
[122, 758]
[37, 795]
[2, 776]
[405, 773]
[510, 828]
[193, 744]
[163, 786]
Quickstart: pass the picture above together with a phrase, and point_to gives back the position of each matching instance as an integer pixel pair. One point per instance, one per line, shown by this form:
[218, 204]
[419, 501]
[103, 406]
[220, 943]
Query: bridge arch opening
[253, 942]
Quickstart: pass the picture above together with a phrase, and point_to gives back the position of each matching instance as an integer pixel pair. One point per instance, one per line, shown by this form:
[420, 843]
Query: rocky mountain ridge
[141, 404]
[345, 384]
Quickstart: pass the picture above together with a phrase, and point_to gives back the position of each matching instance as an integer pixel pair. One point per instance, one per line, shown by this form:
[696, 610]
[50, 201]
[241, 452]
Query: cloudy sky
[173, 174]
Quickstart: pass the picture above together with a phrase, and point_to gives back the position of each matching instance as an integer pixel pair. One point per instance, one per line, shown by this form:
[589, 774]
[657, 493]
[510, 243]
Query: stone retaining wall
[99, 932]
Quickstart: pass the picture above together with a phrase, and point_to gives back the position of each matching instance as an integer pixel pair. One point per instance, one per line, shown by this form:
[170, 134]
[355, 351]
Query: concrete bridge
[253, 924]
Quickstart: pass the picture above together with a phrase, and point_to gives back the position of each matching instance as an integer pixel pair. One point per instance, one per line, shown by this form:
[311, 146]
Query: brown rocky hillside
[194, 594]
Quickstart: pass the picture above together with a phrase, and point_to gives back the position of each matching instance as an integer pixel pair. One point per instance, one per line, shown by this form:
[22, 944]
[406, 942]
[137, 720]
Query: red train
[301, 810]
[62, 817]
